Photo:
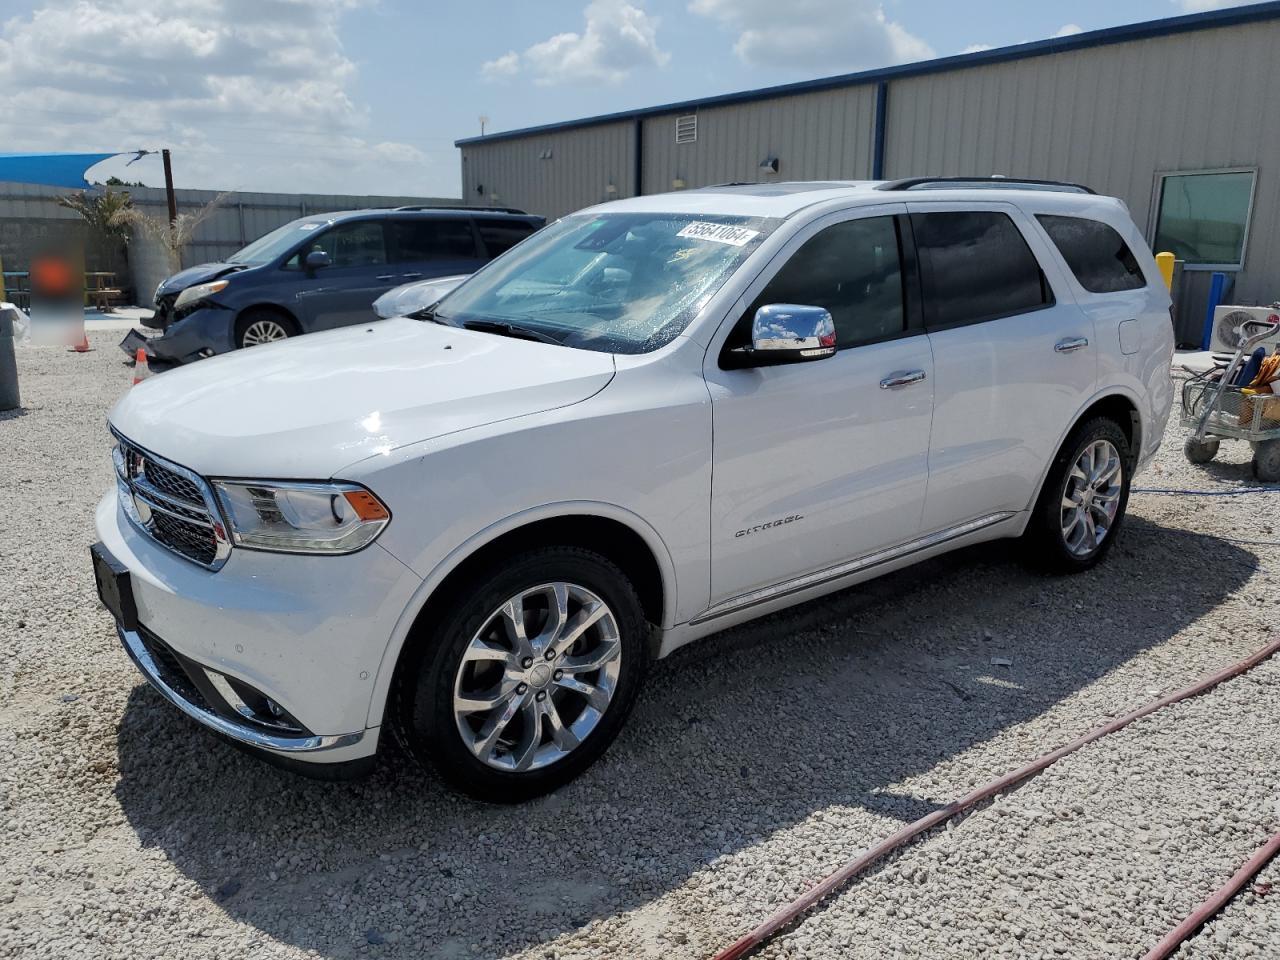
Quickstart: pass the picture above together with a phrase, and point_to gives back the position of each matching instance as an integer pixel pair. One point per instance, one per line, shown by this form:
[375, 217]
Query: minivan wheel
[1084, 498]
[527, 675]
[256, 327]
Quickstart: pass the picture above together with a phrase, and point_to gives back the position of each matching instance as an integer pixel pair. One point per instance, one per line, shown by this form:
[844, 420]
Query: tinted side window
[499, 236]
[358, 244]
[974, 266]
[854, 269]
[418, 240]
[1096, 254]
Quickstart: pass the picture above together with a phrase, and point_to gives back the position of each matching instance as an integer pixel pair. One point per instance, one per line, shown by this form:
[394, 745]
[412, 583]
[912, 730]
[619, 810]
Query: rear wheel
[527, 676]
[255, 327]
[1084, 498]
[1266, 461]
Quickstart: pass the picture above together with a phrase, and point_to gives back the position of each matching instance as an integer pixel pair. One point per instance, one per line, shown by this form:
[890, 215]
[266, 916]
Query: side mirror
[315, 260]
[788, 333]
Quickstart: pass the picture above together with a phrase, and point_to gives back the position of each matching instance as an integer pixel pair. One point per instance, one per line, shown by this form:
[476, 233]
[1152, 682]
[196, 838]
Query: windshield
[614, 282]
[280, 240]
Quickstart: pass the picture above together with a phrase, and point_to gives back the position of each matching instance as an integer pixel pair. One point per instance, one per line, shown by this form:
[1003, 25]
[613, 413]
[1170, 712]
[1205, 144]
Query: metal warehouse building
[1178, 117]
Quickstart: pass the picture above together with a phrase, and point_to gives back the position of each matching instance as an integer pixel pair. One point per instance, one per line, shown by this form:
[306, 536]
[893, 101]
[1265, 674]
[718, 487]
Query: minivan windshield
[271, 245]
[613, 282]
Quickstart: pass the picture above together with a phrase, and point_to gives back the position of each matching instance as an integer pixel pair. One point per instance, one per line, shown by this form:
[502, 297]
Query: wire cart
[1215, 409]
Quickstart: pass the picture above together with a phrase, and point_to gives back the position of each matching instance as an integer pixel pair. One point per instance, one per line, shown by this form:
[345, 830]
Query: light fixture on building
[545, 155]
[769, 165]
[611, 190]
[677, 184]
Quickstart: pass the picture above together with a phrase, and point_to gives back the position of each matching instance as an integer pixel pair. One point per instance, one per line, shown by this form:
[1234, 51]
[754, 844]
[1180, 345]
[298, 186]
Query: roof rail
[469, 209]
[983, 183]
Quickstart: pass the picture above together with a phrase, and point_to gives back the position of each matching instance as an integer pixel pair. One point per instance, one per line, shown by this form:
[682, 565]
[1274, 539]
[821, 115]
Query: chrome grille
[171, 504]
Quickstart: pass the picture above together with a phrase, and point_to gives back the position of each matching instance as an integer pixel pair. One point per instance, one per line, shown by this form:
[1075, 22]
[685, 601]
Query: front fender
[549, 511]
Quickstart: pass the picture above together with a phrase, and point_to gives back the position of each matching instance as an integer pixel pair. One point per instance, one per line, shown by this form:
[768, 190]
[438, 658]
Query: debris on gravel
[756, 762]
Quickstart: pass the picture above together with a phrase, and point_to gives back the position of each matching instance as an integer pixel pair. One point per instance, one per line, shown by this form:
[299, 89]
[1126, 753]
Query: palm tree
[108, 213]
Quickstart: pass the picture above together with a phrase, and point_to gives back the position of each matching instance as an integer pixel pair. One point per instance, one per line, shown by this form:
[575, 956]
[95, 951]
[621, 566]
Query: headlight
[199, 292]
[301, 517]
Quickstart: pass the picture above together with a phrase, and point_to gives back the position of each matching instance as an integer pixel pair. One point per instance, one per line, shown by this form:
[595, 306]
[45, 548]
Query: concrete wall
[31, 217]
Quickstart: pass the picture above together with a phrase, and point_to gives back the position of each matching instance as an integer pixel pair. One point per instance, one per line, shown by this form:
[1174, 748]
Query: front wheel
[527, 676]
[1200, 451]
[1083, 501]
[257, 327]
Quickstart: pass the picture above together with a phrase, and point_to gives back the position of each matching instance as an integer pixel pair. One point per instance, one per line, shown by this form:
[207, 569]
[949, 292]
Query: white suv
[650, 421]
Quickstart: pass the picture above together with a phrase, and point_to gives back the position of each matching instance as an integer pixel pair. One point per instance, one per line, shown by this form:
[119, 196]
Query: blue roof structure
[1080, 41]
[50, 169]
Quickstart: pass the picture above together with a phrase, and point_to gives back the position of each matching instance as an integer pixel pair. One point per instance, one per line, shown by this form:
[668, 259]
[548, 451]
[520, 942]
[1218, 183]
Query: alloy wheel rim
[264, 331]
[1091, 497]
[537, 678]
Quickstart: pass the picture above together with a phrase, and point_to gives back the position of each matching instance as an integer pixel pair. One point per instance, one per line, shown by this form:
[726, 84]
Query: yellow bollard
[1165, 262]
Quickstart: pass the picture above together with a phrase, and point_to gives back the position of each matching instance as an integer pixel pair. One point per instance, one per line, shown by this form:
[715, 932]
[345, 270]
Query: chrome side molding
[848, 567]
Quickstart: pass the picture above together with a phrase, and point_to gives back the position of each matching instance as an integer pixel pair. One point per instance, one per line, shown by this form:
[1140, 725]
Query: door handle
[410, 275]
[386, 276]
[1071, 344]
[903, 379]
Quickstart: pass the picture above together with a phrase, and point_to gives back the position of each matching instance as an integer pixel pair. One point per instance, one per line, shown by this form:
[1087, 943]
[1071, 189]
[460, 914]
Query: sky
[368, 96]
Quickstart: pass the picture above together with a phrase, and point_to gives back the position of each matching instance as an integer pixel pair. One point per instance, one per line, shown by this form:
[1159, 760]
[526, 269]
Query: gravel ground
[755, 762]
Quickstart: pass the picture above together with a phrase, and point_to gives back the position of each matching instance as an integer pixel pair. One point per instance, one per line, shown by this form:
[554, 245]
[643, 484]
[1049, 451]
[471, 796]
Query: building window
[1203, 218]
[687, 128]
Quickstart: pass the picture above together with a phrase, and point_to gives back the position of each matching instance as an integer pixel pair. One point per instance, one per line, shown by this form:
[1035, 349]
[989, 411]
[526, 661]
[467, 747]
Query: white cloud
[618, 37]
[249, 94]
[507, 65]
[1199, 6]
[977, 48]
[1069, 30]
[814, 35]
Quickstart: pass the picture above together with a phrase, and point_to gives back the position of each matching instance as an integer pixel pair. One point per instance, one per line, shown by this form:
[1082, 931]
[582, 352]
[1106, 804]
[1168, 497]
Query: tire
[258, 326]
[472, 655]
[1049, 543]
[1266, 461]
[1200, 451]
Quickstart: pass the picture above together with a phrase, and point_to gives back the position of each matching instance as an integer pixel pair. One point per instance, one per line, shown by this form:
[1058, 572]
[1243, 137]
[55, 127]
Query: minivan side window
[854, 269]
[1096, 254]
[975, 265]
[418, 240]
[355, 244]
[499, 236]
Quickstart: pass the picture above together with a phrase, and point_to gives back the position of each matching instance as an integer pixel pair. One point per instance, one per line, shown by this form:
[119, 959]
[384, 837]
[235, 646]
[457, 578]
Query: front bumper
[309, 633]
[165, 672]
[205, 331]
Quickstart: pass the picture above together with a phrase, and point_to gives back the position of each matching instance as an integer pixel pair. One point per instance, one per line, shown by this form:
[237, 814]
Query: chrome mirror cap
[790, 333]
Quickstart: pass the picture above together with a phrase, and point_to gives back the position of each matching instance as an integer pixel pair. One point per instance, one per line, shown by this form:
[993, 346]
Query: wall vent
[687, 128]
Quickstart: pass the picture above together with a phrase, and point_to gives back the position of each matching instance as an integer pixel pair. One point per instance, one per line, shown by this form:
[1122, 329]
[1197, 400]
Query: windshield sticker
[719, 233]
[309, 226]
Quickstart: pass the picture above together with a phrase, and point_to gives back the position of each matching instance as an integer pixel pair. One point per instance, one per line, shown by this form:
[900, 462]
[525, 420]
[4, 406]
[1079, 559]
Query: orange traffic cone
[140, 368]
[83, 345]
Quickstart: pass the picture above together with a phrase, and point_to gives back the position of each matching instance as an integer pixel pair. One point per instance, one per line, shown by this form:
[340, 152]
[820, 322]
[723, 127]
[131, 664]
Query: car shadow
[831, 704]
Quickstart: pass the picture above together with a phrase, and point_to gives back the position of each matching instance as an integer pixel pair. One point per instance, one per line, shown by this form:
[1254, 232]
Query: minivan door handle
[903, 379]
[1071, 344]
[411, 275]
[385, 276]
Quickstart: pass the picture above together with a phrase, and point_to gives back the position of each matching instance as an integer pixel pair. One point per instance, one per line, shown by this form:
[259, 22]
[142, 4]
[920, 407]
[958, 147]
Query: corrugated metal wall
[826, 135]
[582, 166]
[30, 210]
[1111, 117]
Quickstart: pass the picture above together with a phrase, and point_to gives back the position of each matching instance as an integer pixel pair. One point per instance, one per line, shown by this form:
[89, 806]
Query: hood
[200, 273]
[307, 407]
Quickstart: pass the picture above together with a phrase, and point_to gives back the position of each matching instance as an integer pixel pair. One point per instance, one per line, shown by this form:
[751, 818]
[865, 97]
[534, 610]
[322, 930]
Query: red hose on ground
[788, 914]
[1203, 913]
